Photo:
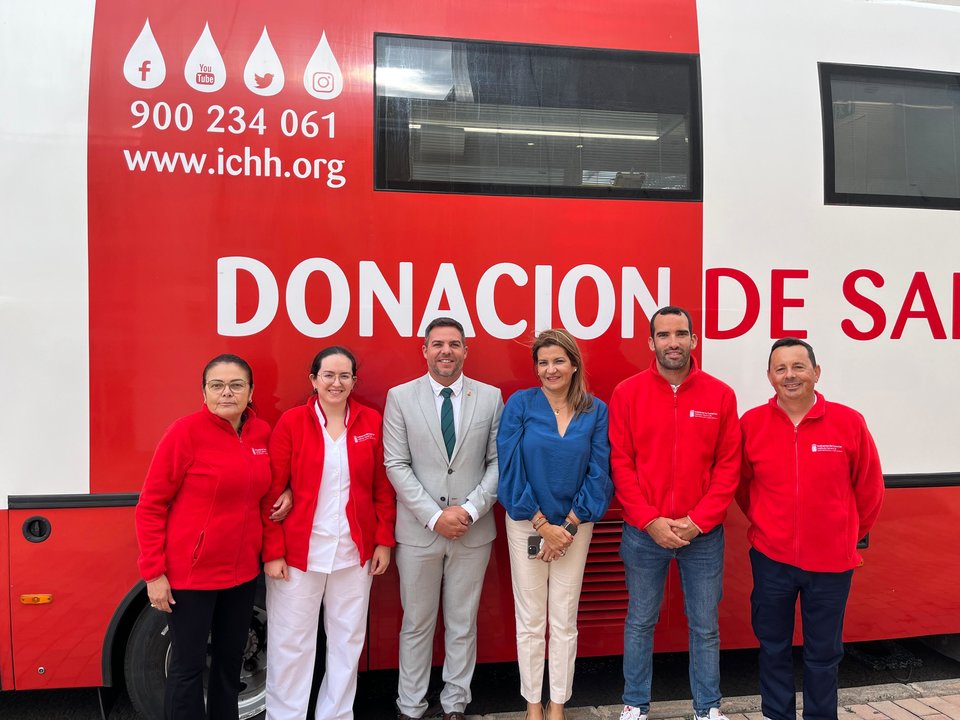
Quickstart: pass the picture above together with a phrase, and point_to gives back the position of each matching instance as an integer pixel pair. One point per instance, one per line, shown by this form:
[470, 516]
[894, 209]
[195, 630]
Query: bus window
[891, 137]
[503, 119]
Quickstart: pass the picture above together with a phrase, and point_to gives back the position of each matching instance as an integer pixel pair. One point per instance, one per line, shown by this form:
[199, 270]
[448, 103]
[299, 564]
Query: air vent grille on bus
[603, 600]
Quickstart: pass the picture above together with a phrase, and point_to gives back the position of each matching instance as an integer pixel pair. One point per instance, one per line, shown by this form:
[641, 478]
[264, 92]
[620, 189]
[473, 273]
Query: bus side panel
[151, 229]
[88, 564]
[765, 216]
[6, 645]
[157, 238]
[909, 585]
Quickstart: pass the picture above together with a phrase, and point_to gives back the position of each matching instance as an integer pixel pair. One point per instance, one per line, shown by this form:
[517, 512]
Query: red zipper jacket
[674, 453]
[296, 456]
[198, 518]
[812, 491]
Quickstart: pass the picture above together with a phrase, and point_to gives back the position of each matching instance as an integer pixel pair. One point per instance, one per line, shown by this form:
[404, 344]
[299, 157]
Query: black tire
[145, 663]
[147, 656]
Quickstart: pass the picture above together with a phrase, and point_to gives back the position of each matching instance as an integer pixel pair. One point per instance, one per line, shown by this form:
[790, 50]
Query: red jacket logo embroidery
[704, 415]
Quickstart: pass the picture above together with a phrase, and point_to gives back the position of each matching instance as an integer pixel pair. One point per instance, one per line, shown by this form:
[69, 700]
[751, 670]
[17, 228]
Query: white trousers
[543, 590]
[293, 615]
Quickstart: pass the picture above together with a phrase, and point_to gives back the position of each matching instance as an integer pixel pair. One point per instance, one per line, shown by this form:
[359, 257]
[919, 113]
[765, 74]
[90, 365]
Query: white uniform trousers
[293, 615]
[543, 590]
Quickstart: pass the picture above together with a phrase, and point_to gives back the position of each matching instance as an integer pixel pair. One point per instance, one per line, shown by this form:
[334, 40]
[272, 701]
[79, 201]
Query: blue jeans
[823, 599]
[701, 577]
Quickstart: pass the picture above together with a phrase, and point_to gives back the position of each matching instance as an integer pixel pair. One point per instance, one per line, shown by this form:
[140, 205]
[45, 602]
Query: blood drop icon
[204, 70]
[263, 73]
[144, 67]
[322, 77]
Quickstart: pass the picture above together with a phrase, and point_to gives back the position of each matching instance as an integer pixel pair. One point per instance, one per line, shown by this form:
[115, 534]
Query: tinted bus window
[891, 137]
[490, 118]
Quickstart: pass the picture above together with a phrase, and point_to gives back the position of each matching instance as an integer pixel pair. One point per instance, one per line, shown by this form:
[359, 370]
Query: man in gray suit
[440, 450]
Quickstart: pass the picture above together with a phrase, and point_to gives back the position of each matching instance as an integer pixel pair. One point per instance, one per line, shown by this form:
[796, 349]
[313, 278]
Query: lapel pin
[469, 393]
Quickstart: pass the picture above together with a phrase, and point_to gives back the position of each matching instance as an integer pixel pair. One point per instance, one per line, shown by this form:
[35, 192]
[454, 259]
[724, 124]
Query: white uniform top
[331, 547]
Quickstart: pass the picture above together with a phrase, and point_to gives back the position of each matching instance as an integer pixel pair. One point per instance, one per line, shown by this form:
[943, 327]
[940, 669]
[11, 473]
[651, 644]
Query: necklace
[556, 410]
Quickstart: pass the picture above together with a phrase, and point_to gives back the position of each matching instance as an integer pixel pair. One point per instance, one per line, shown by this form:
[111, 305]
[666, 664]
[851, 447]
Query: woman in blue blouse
[554, 483]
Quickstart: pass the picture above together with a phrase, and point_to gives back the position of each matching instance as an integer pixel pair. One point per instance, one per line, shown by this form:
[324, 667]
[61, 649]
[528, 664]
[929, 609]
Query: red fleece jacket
[674, 453]
[296, 455]
[810, 492]
[198, 519]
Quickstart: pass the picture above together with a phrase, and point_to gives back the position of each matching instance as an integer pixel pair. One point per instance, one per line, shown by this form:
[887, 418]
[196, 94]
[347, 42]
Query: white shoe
[714, 714]
[632, 713]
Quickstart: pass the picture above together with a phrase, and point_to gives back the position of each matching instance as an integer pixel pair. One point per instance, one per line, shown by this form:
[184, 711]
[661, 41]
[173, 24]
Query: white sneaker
[632, 713]
[714, 714]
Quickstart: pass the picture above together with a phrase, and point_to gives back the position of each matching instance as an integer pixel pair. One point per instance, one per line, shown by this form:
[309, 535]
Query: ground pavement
[934, 700]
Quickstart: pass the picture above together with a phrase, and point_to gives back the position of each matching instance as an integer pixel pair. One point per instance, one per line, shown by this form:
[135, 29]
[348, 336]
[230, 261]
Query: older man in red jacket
[811, 487]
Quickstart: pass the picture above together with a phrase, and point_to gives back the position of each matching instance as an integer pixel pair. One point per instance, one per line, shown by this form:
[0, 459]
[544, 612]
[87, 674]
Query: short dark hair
[670, 310]
[792, 342]
[327, 352]
[443, 321]
[227, 359]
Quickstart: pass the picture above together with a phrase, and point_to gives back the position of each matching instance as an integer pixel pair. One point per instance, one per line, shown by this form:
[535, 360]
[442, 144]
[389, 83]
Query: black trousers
[823, 599]
[223, 616]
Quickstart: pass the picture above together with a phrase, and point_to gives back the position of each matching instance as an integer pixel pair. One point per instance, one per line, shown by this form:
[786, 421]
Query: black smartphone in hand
[534, 543]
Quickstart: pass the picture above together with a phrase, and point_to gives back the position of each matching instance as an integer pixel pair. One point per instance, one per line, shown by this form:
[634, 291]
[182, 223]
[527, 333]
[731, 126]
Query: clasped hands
[672, 534]
[453, 522]
[556, 540]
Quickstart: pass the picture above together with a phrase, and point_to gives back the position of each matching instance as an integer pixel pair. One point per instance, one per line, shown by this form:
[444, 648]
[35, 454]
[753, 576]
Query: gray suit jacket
[417, 465]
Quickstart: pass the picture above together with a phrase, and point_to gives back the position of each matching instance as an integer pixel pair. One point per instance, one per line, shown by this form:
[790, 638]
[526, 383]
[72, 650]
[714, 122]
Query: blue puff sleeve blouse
[540, 470]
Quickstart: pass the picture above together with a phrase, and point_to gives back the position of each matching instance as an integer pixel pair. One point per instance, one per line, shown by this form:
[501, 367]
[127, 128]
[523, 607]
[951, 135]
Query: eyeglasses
[236, 386]
[328, 378]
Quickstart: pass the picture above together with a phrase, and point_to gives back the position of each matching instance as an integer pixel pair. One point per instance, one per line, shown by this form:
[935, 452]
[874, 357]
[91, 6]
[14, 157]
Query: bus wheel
[147, 659]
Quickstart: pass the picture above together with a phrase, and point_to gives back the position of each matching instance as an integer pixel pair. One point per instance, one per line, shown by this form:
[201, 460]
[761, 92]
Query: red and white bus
[182, 179]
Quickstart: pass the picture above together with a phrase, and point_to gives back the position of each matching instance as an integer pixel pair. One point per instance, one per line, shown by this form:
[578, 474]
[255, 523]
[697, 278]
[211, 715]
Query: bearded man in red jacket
[811, 487]
[675, 464]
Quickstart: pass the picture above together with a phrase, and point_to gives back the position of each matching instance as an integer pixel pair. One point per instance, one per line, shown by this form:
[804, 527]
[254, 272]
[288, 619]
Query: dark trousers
[223, 616]
[823, 599]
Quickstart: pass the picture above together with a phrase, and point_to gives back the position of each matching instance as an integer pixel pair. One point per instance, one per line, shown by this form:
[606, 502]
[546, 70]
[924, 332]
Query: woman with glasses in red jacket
[199, 530]
[338, 536]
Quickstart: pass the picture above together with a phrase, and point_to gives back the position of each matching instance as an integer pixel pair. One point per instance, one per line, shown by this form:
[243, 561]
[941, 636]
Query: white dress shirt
[457, 387]
[331, 546]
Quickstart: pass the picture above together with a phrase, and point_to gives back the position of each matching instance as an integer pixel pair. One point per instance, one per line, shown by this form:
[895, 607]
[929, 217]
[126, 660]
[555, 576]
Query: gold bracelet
[538, 523]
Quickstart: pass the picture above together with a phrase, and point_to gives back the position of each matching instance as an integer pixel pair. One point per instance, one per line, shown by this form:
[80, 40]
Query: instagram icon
[322, 77]
[323, 82]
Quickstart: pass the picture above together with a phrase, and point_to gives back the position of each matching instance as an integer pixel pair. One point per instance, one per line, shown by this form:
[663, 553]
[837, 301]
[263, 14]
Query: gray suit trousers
[421, 569]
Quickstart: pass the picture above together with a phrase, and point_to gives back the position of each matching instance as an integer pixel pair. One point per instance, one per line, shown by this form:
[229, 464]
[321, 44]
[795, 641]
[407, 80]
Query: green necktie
[446, 421]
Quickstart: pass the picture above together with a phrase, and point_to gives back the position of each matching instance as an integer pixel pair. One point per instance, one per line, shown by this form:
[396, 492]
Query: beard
[671, 364]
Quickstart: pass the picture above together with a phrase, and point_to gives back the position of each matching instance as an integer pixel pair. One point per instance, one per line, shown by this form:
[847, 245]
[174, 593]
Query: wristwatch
[569, 527]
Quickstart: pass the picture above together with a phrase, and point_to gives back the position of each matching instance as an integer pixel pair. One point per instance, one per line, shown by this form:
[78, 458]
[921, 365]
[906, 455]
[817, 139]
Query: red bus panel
[88, 564]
